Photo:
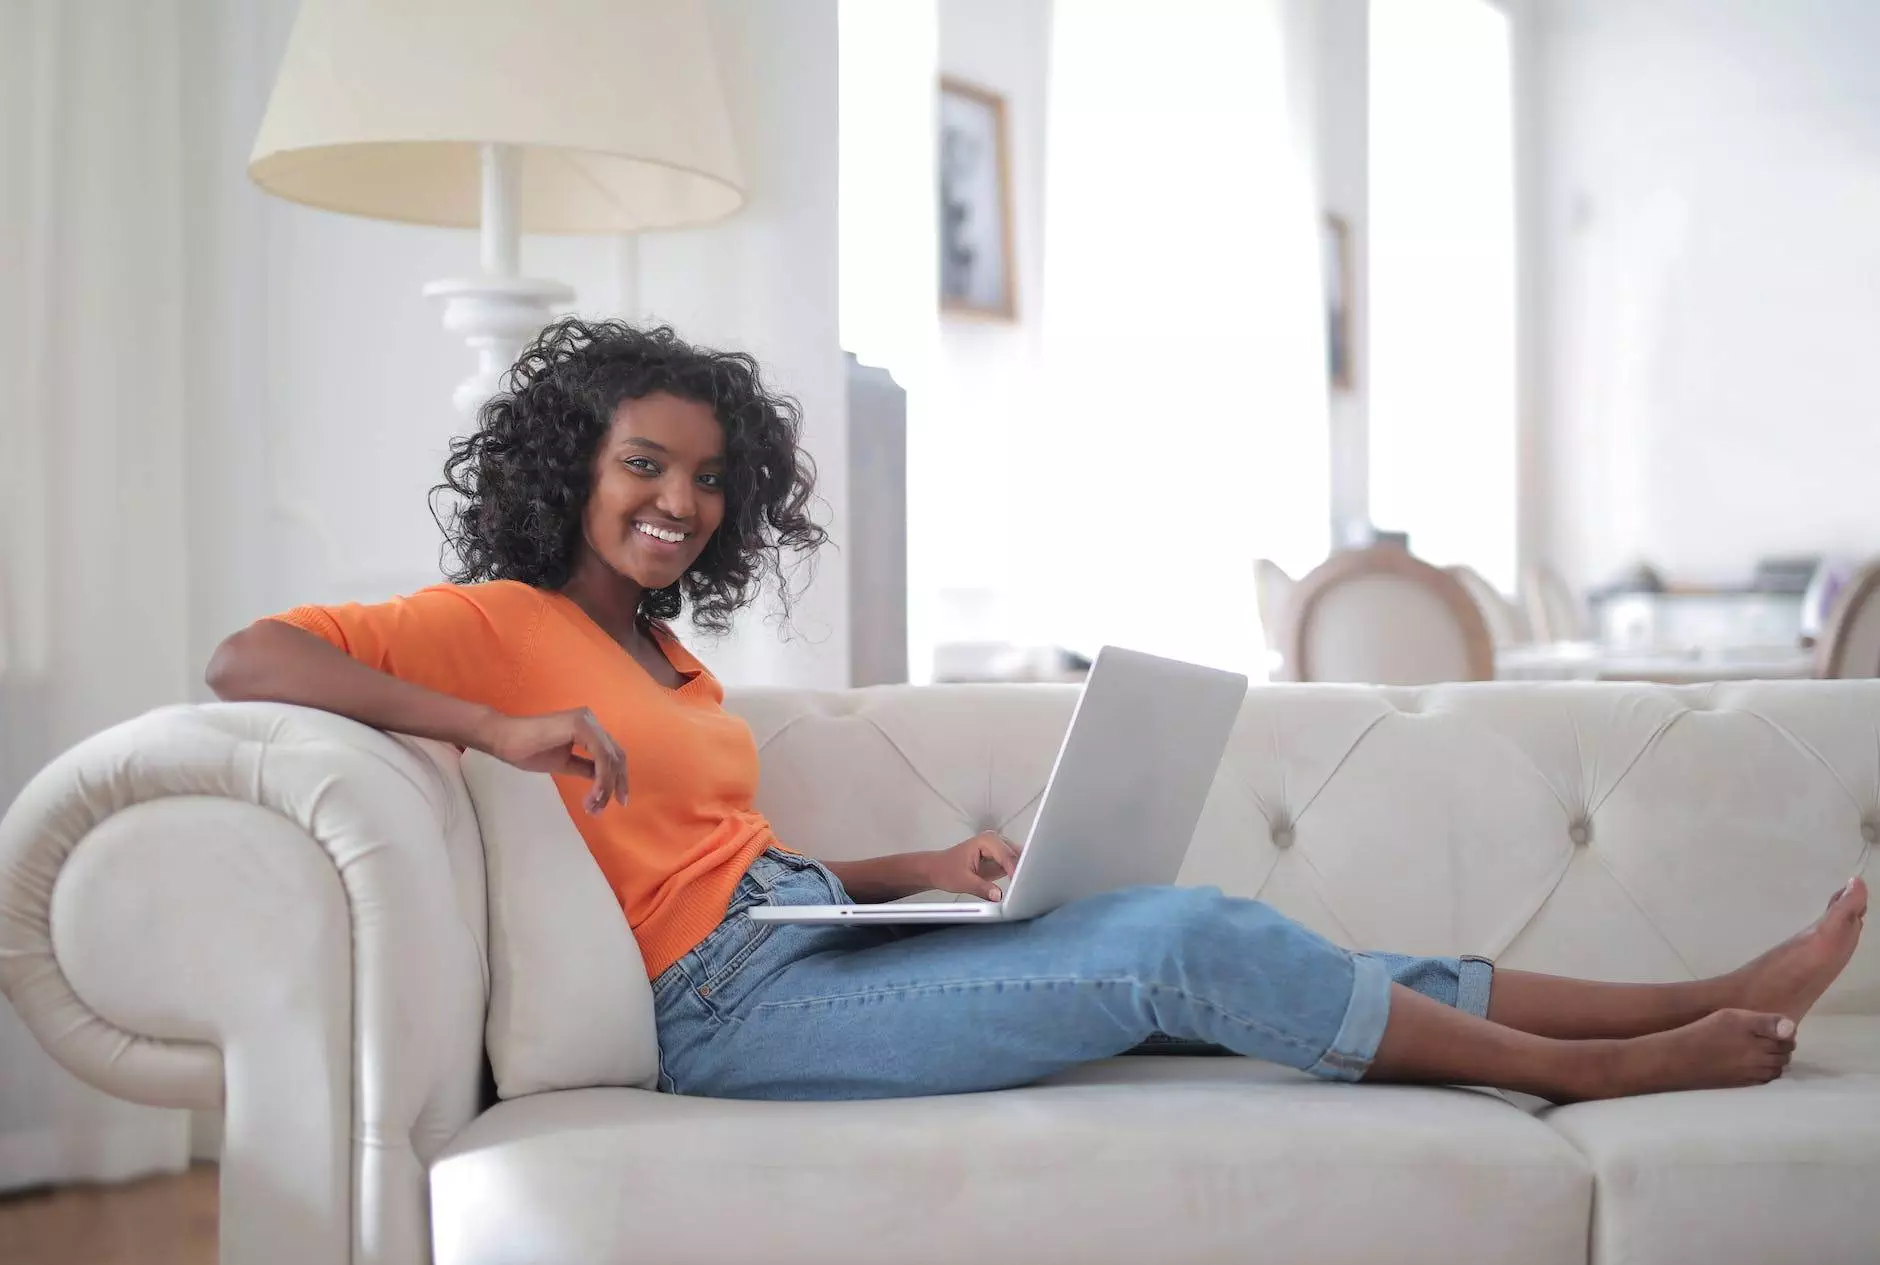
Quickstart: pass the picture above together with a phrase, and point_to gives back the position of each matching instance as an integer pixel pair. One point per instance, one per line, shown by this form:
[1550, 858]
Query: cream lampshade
[551, 116]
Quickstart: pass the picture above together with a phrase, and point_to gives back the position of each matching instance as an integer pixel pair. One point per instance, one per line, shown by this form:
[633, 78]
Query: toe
[1848, 904]
[1775, 1027]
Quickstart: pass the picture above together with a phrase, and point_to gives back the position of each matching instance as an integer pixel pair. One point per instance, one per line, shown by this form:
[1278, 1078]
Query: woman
[624, 474]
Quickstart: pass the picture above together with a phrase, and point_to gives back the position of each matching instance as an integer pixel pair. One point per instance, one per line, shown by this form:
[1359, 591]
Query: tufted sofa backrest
[1624, 832]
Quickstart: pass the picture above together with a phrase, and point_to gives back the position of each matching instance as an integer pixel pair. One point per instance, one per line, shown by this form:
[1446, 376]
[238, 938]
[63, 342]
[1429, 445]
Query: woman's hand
[553, 743]
[967, 867]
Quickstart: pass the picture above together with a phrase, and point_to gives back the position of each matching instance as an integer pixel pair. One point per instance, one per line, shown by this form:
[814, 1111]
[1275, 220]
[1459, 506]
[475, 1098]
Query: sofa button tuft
[1580, 832]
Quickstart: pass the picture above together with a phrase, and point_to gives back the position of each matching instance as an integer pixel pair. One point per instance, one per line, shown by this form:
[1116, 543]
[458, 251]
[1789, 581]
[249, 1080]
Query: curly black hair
[522, 478]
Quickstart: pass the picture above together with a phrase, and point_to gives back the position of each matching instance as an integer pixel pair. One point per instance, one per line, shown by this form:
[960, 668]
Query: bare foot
[1723, 1050]
[1791, 977]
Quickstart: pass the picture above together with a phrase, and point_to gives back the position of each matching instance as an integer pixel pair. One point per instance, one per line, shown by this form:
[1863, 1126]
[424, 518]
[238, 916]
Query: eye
[713, 481]
[641, 465]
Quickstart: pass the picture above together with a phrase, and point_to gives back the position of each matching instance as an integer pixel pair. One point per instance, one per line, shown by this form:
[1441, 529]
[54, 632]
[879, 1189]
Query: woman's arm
[965, 867]
[270, 661]
[879, 880]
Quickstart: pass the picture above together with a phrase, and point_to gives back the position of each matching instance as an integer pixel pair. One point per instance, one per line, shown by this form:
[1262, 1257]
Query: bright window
[1442, 250]
[1186, 434]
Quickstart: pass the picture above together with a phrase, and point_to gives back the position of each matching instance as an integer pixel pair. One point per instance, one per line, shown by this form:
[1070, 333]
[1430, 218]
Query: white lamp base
[496, 316]
[501, 310]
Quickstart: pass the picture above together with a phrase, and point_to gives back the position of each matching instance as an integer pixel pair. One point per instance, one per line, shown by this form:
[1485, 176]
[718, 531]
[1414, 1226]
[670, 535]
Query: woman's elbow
[230, 672]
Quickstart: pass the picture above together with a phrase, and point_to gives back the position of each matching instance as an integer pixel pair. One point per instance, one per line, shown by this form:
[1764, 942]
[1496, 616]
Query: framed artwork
[975, 188]
[1336, 267]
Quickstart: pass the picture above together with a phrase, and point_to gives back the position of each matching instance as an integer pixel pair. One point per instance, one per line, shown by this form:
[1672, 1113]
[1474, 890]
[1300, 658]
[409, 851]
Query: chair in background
[1384, 617]
[1553, 612]
[1850, 646]
[1273, 590]
[1507, 623]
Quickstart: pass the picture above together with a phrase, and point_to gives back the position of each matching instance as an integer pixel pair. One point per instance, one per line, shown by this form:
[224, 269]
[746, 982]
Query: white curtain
[1186, 432]
[93, 588]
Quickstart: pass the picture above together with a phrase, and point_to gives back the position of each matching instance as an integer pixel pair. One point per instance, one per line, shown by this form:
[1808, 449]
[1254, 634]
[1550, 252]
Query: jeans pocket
[685, 1025]
[725, 956]
[736, 942]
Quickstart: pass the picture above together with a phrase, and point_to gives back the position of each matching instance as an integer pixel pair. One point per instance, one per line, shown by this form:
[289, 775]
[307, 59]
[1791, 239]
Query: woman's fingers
[994, 854]
[610, 763]
[595, 771]
[989, 891]
[617, 766]
[995, 859]
[597, 793]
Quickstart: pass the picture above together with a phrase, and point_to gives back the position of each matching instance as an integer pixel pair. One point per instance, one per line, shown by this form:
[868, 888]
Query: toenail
[1785, 1029]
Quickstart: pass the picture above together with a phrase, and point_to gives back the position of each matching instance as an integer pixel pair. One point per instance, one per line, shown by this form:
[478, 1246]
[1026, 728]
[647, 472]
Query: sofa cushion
[570, 1006]
[1166, 1159]
[1788, 1171]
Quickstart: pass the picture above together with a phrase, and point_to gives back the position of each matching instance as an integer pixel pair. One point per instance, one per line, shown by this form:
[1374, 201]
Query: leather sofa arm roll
[273, 910]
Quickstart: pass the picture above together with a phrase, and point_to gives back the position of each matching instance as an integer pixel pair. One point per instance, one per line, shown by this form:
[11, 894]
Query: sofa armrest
[274, 910]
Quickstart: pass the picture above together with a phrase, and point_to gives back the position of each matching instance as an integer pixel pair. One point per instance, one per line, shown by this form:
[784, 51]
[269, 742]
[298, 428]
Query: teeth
[670, 537]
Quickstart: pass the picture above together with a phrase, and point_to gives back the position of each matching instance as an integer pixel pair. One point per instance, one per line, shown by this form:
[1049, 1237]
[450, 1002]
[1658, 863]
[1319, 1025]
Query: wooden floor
[156, 1221]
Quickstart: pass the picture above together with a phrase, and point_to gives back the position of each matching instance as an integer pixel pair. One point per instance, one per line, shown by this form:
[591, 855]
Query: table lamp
[539, 116]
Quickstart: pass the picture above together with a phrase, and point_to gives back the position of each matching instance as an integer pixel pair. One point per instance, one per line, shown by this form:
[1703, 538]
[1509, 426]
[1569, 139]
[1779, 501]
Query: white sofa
[286, 913]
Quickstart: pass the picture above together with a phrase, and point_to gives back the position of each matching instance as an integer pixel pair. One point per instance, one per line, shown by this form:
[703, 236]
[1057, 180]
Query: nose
[677, 498]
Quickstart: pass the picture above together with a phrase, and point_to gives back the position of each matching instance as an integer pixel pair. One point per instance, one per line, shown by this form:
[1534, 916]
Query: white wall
[1708, 209]
[989, 380]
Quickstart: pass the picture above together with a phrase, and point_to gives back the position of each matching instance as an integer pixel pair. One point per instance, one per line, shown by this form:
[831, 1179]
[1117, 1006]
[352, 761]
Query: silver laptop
[1119, 810]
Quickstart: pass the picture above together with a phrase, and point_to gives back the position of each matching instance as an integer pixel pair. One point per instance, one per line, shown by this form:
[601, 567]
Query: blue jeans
[765, 1010]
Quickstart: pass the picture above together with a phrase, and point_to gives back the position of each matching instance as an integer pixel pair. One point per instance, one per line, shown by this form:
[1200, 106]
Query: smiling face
[658, 490]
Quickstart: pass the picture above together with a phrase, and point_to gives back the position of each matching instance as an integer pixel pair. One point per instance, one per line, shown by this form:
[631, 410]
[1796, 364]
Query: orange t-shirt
[676, 849]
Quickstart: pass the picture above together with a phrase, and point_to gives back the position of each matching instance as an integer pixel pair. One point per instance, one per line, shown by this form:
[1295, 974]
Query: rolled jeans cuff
[1350, 1054]
[1474, 977]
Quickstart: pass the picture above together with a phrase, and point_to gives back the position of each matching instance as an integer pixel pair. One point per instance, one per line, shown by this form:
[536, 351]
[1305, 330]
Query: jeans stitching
[716, 978]
[665, 1080]
[875, 994]
[669, 979]
[794, 864]
[730, 970]
[703, 951]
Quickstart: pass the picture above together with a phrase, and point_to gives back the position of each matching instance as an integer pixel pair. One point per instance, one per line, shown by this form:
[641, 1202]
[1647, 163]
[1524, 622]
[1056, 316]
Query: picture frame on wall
[976, 267]
[1336, 266]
